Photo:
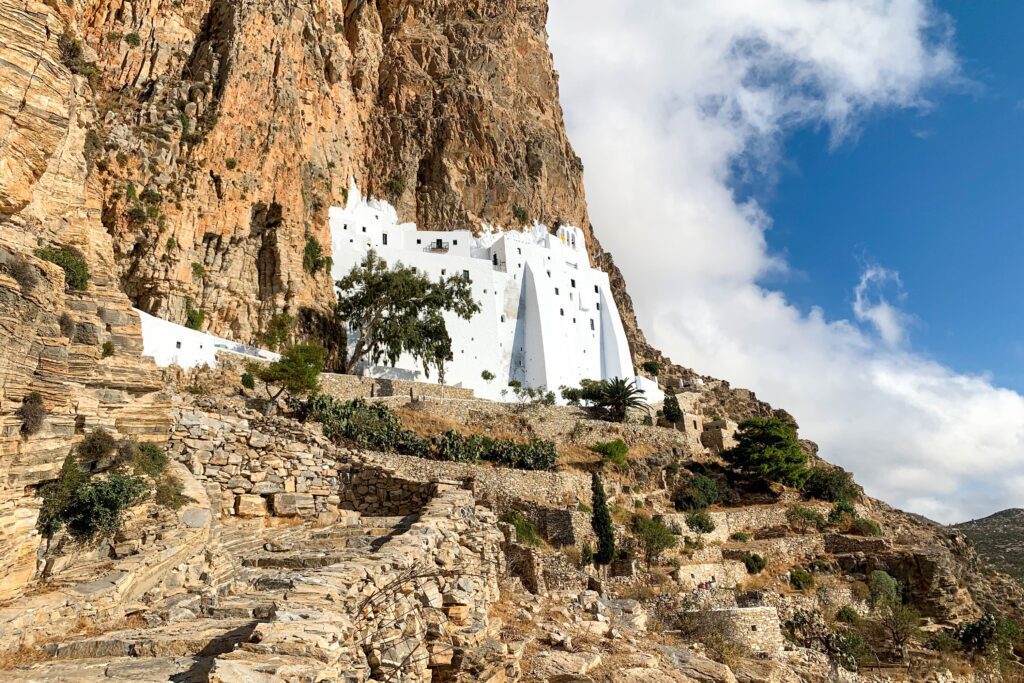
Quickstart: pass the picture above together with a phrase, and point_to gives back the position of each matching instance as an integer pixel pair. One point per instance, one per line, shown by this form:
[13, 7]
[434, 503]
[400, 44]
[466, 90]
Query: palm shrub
[617, 396]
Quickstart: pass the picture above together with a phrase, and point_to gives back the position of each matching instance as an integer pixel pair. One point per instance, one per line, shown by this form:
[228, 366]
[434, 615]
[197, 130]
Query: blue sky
[936, 194]
[871, 288]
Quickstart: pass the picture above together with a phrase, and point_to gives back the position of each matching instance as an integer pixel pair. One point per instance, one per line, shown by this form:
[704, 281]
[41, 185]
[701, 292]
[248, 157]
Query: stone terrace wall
[253, 465]
[561, 424]
[747, 519]
[347, 387]
[758, 628]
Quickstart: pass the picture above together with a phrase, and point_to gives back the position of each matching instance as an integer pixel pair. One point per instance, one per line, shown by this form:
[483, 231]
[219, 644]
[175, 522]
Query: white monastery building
[172, 344]
[547, 318]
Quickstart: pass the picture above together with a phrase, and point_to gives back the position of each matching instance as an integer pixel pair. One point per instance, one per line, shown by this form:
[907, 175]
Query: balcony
[437, 247]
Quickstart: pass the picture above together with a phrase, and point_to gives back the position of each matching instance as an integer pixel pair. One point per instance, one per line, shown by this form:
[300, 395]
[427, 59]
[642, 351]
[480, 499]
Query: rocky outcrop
[52, 339]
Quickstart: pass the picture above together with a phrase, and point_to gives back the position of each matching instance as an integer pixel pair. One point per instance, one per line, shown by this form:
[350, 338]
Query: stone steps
[133, 669]
[202, 637]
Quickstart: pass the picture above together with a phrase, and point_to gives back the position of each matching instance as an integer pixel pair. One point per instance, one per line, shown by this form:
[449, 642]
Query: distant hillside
[999, 539]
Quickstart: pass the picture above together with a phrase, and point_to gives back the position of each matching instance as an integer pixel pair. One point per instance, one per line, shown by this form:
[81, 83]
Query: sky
[819, 200]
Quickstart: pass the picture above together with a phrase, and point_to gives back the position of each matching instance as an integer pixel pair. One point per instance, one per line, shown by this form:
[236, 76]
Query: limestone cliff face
[51, 339]
[245, 120]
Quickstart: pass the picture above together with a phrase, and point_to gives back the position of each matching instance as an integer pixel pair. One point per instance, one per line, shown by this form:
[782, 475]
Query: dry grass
[427, 425]
[24, 656]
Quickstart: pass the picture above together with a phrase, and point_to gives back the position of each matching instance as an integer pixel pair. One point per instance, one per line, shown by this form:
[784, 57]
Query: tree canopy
[396, 310]
[297, 372]
[767, 448]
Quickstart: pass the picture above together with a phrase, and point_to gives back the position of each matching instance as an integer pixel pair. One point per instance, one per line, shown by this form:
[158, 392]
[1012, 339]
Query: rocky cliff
[52, 338]
[226, 129]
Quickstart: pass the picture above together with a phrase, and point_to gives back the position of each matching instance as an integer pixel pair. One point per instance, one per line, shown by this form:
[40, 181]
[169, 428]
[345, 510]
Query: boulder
[249, 505]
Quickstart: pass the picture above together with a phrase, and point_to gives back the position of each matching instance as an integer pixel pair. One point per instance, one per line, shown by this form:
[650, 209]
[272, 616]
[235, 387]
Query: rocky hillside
[999, 539]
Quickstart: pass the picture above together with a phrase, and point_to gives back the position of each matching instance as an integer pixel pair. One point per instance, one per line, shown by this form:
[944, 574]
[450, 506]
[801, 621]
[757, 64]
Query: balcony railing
[437, 247]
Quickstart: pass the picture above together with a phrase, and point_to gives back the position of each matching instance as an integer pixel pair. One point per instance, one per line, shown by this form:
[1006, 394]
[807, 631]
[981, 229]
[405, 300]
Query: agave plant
[617, 396]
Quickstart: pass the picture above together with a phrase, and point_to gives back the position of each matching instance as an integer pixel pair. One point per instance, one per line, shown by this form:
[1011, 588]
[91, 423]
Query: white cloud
[870, 304]
[666, 101]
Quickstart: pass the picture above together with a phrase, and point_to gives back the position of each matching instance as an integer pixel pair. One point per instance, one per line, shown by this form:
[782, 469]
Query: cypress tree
[601, 521]
[673, 413]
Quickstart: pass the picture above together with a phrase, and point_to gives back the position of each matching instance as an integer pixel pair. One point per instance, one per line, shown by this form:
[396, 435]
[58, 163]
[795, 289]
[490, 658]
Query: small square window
[364, 228]
[345, 227]
[419, 241]
[177, 345]
[455, 243]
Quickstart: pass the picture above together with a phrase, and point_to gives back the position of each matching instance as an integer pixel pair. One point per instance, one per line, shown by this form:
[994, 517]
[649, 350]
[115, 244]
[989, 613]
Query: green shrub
[150, 196]
[990, 635]
[754, 563]
[487, 375]
[137, 215]
[519, 213]
[841, 513]
[32, 413]
[198, 270]
[130, 193]
[395, 186]
[651, 367]
[247, 381]
[700, 522]
[231, 162]
[653, 537]
[170, 493]
[194, 317]
[171, 243]
[97, 445]
[613, 452]
[149, 459]
[133, 39]
[277, 331]
[601, 523]
[107, 349]
[583, 507]
[804, 518]
[865, 527]
[97, 508]
[740, 537]
[848, 615]
[884, 589]
[526, 531]
[695, 493]
[313, 259]
[76, 271]
[831, 484]
[800, 578]
[671, 410]
[587, 554]
[57, 496]
[767, 448]
[452, 446]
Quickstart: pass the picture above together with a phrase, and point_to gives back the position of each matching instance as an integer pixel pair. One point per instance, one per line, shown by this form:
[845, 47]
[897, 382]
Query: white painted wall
[172, 344]
[547, 318]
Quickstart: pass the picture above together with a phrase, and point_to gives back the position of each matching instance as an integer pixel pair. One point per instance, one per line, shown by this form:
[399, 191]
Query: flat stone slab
[150, 670]
[205, 637]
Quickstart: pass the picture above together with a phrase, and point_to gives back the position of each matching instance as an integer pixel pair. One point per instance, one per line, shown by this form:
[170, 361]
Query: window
[573, 283]
[596, 290]
[385, 239]
[570, 296]
[419, 241]
[502, 318]
[694, 424]
[591, 323]
[599, 307]
[561, 312]
[465, 274]
[753, 627]
[177, 345]
[574, 321]
[345, 227]
[494, 260]
[439, 243]
[519, 250]
[455, 243]
[549, 273]
[444, 271]
[364, 228]
[556, 291]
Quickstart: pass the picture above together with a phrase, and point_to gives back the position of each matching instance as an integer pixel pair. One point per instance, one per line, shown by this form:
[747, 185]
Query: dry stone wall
[348, 387]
